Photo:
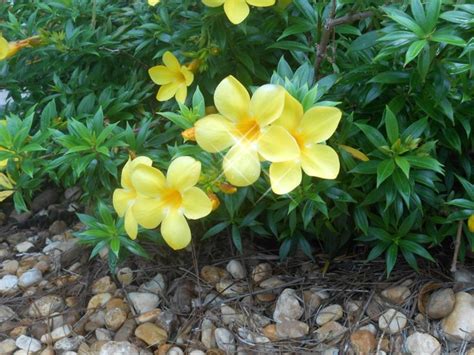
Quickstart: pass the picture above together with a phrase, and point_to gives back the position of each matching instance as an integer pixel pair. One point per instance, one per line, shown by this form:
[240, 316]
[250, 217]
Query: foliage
[81, 101]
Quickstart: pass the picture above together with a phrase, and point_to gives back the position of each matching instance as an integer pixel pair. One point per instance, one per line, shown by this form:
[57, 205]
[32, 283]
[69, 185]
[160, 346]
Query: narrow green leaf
[404, 165]
[414, 49]
[391, 125]
[385, 170]
[391, 258]
[404, 20]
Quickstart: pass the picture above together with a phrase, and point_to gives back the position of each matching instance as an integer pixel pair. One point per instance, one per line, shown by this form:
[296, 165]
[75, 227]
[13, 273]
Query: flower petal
[129, 167]
[214, 133]
[183, 173]
[236, 10]
[181, 93]
[232, 99]
[131, 226]
[171, 61]
[196, 203]
[153, 2]
[167, 91]
[121, 200]
[213, 3]
[291, 115]
[148, 181]
[4, 47]
[241, 165]
[320, 161]
[267, 104]
[175, 231]
[276, 144]
[148, 212]
[285, 176]
[261, 3]
[188, 75]
[320, 123]
[161, 75]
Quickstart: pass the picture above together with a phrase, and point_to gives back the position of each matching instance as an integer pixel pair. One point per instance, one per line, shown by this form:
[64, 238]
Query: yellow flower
[238, 10]
[124, 199]
[170, 200]
[244, 125]
[3, 163]
[4, 48]
[309, 129]
[173, 77]
[153, 2]
[470, 223]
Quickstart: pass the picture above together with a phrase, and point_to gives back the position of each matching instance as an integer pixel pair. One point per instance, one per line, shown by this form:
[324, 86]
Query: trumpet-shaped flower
[125, 198]
[170, 200]
[173, 77]
[243, 123]
[238, 10]
[153, 2]
[470, 223]
[309, 129]
[4, 48]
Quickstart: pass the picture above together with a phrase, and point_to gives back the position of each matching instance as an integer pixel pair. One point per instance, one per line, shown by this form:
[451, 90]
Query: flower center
[249, 129]
[299, 139]
[172, 198]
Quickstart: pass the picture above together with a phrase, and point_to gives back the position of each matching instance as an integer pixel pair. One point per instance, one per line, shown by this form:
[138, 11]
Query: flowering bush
[322, 124]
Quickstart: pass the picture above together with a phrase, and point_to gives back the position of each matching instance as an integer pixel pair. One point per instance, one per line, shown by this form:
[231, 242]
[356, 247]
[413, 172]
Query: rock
[58, 227]
[331, 333]
[156, 285]
[230, 315]
[175, 351]
[363, 342]
[6, 313]
[370, 328]
[119, 347]
[396, 294]
[126, 331]
[149, 316]
[272, 283]
[27, 343]
[98, 301]
[46, 306]
[103, 334]
[236, 269]
[151, 334]
[229, 288]
[30, 278]
[144, 301]
[57, 334]
[270, 332]
[459, 324]
[470, 351]
[103, 285]
[440, 303]
[329, 313]
[114, 318]
[290, 329]
[225, 340]
[8, 284]
[24, 247]
[167, 320]
[261, 272]
[17, 331]
[125, 276]
[117, 303]
[69, 344]
[392, 321]
[207, 333]
[10, 266]
[213, 274]
[48, 351]
[287, 307]
[311, 301]
[422, 343]
[353, 307]
[197, 352]
[7, 346]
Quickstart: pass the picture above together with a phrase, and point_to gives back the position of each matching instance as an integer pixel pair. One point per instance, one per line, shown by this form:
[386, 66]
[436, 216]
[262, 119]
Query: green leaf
[215, 229]
[115, 246]
[237, 239]
[385, 170]
[391, 258]
[425, 162]
[377, 251]
[404, 20]
[391, 125]
[391, 77]
[433, 8]
[404, 165]
[448, 38]
[373, 135]
[414, 49]
[462, 203]
[291, 46]
[419, 13]
[416, 249]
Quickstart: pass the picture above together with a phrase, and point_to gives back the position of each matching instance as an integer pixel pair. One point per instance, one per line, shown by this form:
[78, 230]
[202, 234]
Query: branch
[457, 244]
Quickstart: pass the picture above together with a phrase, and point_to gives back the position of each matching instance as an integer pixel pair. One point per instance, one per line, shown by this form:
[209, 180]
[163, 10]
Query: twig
[457, 244]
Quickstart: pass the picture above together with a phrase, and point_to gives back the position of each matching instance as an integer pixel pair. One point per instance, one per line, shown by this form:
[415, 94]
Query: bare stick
[457, 244]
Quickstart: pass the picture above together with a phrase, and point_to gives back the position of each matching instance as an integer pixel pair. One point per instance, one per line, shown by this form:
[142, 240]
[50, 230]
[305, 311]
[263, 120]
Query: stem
[457, 244]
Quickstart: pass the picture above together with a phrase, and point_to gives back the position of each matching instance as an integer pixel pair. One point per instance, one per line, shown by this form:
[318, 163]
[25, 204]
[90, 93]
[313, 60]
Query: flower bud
[194, 65]
[214, 200]
[470, 223]
[227, 188]
[189, 134]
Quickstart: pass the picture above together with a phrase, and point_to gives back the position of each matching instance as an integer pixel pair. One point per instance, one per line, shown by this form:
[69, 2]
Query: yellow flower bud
[215, 203]
[189, 134]
[470, 223]
[227, 188]
[194, 65]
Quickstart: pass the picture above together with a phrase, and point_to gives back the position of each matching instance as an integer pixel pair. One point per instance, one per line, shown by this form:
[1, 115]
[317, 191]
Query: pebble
[331, 333]
[69, 344]
[46, 306]
[48, 351]
[57, 334]
[423, 343]
[144, 301]
[7, 346]
[156, 285]
[103, 285]
[6, 313]
[261, 272]
[396, 294]
[329, 313]
[114, 318]
[229, 288]
[24, 247]
[288, 306]
[213, 274]
[119, 347]
[126, 331]
[175, 351]
[125, 276]
[10, 266]
[290, 329]
[236, 269]
[363, 342]
[98, 301]
[225, 340]
[8, 284]
[370, 328]
[197, 352]
[30, 278]
[103, 334]
[57, 227]
[270, 332]
[392, 321]
[28, 343]
[312, 301]
[272, 283]
[207, 333]
[149, 316]
[151, 334]
[440, 304]
[459, 324]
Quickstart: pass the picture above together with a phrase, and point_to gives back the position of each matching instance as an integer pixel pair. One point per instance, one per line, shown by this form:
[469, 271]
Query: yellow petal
[276, 144]
[183, 173]
[196, 203]
[148, 181]
[3, 163]
[267, 104]
[213, 3]
[355, 152]
[181, 93]
[319, 123]
[175, 231]
[320, 161]
[122, 199]
[470, 223]
[5, 194]
[285, 176]
[148, 212]
[261, 3]
[167, 91]
[214, 133]
[171, 61]
[236, 10]
[188, 75]
[241, 165]
[131, 226]
[231, 99]
[153, 2]
[161, 75]
[4, 48]
[291, 115]
[129, 167]
[5, 181]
